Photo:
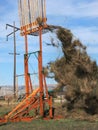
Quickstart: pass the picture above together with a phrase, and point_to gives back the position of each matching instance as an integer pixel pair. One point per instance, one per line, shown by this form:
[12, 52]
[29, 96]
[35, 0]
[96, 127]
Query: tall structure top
[32, 15]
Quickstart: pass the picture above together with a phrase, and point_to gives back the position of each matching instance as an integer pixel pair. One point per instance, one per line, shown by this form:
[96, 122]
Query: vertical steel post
[26, 67]
[50, 109]
[40, 74]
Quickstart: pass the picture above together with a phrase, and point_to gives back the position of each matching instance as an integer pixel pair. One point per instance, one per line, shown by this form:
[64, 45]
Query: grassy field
[64, 124]
[51, 125]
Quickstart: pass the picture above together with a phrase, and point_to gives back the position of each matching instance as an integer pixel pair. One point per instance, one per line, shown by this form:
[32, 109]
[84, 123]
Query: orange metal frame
[27, 29]
[35, 99]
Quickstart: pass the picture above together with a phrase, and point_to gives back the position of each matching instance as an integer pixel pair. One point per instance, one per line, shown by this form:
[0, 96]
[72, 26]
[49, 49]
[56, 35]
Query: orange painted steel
[40, 73]
[22, 105]
[35, 99]
[27, 29]
[21, 111]
[26, 67]
[28, 84]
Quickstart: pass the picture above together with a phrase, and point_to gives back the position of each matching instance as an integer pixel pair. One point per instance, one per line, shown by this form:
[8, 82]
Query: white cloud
[88, 35]
[73, 8]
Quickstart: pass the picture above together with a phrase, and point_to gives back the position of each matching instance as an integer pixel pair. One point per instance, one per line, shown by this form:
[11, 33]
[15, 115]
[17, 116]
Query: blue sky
[80, 16]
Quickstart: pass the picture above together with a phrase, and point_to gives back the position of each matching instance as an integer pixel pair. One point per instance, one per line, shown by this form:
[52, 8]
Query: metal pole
[15, 29]
[14, 79]
[41, 74]
[16, 87]
[26, 67]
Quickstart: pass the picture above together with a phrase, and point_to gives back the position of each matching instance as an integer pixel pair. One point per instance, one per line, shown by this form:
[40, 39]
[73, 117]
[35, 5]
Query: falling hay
[77, 72]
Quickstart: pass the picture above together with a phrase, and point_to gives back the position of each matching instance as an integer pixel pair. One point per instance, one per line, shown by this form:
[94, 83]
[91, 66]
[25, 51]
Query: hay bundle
[76, 70]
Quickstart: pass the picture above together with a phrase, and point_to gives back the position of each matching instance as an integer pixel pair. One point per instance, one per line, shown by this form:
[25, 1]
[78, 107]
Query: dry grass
[64, 124]
[51, 125]
[5, 107]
